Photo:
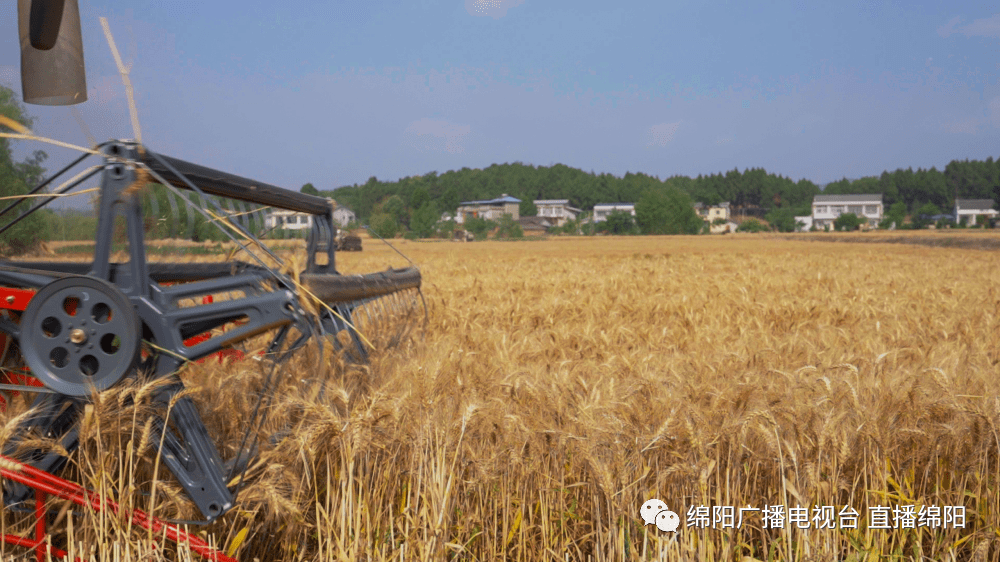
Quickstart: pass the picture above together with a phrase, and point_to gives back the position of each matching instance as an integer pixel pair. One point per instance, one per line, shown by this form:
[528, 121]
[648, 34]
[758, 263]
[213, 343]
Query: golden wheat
[562, 383]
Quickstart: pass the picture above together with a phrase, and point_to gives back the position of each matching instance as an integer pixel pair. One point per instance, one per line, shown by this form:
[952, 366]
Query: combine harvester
[72, 329]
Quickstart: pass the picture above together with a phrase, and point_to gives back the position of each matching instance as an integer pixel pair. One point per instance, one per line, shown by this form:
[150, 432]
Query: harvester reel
[80, 334]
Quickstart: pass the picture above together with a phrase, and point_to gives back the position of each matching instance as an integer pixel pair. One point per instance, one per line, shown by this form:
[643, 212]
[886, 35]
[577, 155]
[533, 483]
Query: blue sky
[335, 92]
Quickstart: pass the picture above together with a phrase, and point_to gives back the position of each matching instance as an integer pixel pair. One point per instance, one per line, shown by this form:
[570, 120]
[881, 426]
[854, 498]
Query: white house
[711, 213]
[343, 216]
[491, 209]
[602, 210]
[807, 223]
[970, 208]
[288, 220]
[556, 210]
[826, 208]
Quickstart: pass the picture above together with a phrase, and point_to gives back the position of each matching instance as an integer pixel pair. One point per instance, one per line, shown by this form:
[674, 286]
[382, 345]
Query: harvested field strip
[978, 241]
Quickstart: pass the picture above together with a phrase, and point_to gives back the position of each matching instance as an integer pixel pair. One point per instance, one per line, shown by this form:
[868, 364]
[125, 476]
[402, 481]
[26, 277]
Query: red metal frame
[17, 300]
[47, 484]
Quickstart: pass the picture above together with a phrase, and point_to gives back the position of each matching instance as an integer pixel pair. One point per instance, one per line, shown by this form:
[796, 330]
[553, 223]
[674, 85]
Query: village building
[602, 210]
[557, 211]
[968, 209]
[827, 208]
[491, 209]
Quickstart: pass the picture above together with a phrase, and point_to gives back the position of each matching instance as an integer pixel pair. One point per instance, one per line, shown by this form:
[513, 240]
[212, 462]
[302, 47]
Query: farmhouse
[602, 210]
[491, 209]
[343, 216]
[288, 220]
[535, 225]
[557, 210]
[969, 209]
[826, 208]
[710, 213]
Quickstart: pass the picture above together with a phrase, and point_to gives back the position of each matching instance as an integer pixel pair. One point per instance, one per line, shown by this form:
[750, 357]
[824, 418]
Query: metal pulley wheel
[79, 334]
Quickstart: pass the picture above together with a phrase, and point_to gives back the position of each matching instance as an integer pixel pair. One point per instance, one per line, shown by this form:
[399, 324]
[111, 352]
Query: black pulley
[52, 71]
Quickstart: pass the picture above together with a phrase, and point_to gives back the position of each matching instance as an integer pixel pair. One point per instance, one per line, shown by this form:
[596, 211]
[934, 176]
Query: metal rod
[42, 185]
[10, 225]
[191, 205]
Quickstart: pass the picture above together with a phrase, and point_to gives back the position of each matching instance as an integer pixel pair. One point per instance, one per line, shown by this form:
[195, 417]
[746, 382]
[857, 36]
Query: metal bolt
[77, 336]
[10, 299]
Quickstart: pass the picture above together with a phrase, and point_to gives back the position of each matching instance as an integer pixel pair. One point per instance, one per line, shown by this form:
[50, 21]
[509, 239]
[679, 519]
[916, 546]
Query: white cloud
[660, 135]
[493, 8]
[966, 126]
[983, 27]
[431, 134]
[949, 28]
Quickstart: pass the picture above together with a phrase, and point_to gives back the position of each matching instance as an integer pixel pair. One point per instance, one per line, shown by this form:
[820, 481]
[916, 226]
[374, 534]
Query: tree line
[414, 205]
[416, 202]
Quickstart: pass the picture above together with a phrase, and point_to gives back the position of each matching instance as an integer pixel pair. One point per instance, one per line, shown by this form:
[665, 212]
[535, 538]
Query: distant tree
[16, 178]
[384, 225]
[394, 207]
[782, 219]
[419, 197]
[449, 200]
[895, 215]
[922, 217]
[308, 189]
[507, 228]
[527, 208]
[479, 226]
[847, 221]
[666, 211]
[424, 219]
[446, 229]
[571, 227]
[618, 222]
[752, 225]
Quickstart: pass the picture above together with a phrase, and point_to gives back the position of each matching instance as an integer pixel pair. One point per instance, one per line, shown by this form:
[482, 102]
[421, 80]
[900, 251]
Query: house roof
[551, 202]
[534, 223]
[851, 198]
[614, 205]
[973, 204]
[498, 201]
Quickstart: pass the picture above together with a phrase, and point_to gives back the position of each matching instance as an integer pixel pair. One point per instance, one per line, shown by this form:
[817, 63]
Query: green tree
[479, 226]
[527, 208]
[17, 178]
[847, 221]
[419, 197]
[666, 211]
[895, 215]
[308, 189]
[384, 225]
[446, 229]
[507, 228]
[424, 219]
[922, 217]
[449, 199]
[782, 219]
[752, 225]
[618, 222]
[394, 207]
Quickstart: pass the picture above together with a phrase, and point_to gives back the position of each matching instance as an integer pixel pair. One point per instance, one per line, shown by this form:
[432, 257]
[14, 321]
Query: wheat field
[559, 384]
